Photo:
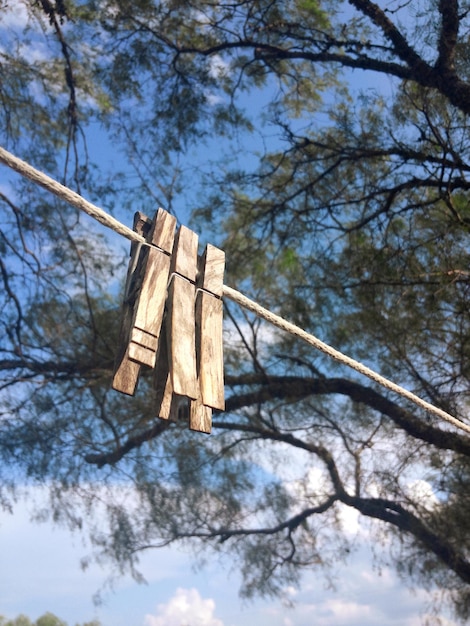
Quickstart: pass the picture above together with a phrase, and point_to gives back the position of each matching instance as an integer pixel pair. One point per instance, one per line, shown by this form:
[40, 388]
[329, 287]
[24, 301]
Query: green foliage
[21, 620]
[312, 9]
[48, 619]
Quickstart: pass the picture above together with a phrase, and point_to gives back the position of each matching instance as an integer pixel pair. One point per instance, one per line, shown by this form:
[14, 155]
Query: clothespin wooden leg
[200, 416]
[148, 313]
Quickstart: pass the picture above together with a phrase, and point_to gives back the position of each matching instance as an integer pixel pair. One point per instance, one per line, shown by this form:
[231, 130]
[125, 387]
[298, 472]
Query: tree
[352, 221]
[21, 620]
[48, 619]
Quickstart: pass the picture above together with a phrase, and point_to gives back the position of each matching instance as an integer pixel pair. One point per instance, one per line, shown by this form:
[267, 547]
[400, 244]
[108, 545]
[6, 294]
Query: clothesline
[73, 198]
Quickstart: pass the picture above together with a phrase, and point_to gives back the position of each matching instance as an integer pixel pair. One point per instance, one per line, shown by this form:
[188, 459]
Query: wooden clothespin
[209, 340]
[172, 321]
[175, 374]
[144, 300]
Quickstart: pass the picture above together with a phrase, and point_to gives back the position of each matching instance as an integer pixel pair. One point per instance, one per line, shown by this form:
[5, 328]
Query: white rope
[64, 193]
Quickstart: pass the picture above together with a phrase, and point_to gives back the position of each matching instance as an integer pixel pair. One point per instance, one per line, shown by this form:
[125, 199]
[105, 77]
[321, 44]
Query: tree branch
[449, 11]
[396, 515]
[110, 458]
[291, 524]
[412, 66]
[400, 45]
[387, 511]
[298, 388]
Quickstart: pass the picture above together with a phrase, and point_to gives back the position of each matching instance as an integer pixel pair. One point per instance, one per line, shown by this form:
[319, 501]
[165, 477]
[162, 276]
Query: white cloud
[37, 53]
[15, 17]
[350, 520]
[212, 98]
[185, 608]
[336, 611]
[422, 492]
[218, 68]
[266, 334]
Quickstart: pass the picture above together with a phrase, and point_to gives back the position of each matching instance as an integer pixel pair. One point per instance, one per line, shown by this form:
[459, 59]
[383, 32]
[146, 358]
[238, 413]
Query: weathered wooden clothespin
[175, 374]
[209, 341]
[172, 321]
[144, 301]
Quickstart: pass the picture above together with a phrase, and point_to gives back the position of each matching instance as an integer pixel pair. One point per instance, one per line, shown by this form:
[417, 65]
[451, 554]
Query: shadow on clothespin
[144, 299]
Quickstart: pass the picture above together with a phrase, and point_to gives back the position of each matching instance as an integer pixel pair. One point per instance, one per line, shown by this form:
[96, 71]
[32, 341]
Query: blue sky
[40, 571]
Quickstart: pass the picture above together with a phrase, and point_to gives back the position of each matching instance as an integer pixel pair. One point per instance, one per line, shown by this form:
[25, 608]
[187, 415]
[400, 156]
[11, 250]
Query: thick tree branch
[449, 10]
[112, 457]
[396, 515]
[55, 368]
[269, 51]
[381, 509]
[298, 388]
[400, 45]
[406, 154]
[410, 65]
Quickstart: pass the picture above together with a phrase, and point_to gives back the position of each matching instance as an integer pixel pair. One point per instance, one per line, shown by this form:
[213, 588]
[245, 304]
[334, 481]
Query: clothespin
[175, 375]
[144, 300]
[209, 340]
